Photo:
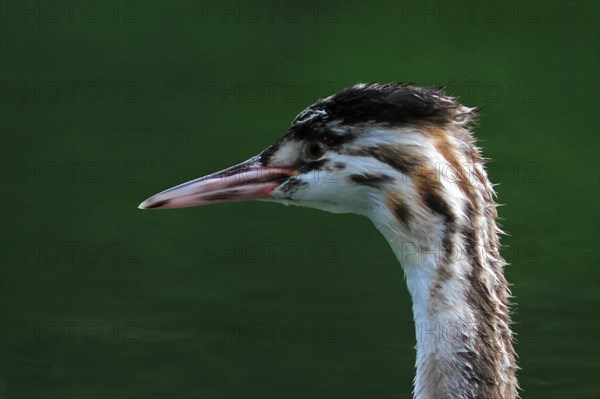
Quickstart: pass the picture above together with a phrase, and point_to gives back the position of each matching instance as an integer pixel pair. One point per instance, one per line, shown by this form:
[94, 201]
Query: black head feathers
[394, 104]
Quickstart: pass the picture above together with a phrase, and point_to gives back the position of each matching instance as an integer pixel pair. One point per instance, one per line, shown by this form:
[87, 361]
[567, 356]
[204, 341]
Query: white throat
[440, 315]
[450, 358]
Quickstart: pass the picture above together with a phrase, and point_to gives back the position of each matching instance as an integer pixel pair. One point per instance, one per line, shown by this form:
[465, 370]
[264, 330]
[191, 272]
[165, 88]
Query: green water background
[113, 102]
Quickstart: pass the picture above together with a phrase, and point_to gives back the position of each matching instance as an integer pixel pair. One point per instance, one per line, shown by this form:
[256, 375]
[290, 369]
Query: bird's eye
[314, 150]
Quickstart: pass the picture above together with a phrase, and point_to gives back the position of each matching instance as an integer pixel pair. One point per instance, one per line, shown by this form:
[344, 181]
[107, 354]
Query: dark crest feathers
[393, 103]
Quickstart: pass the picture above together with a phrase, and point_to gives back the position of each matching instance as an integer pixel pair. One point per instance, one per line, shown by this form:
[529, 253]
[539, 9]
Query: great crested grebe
[404, 157]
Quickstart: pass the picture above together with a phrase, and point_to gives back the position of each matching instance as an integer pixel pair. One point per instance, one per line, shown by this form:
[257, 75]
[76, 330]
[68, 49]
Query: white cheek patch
[287, 153]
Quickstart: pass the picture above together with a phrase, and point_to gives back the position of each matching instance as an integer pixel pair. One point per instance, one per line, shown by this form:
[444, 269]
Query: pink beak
[245, 181]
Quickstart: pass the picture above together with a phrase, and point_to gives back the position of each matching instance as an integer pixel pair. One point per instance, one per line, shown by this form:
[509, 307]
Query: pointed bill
[245, 181]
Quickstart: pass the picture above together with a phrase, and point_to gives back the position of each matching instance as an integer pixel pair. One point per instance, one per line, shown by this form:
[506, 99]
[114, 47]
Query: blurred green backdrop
[106, 103]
